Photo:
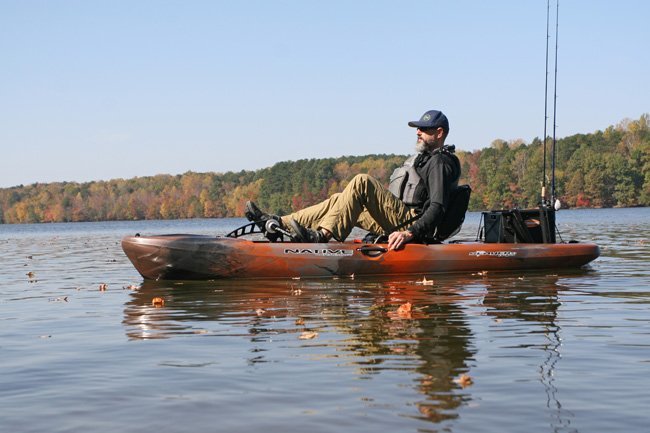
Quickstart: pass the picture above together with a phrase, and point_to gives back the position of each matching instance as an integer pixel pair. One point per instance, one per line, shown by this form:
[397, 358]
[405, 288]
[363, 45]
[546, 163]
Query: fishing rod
[554, 199]
[544, 201]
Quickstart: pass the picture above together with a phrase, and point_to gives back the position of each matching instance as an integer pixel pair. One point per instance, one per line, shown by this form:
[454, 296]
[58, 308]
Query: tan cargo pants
[363, 203]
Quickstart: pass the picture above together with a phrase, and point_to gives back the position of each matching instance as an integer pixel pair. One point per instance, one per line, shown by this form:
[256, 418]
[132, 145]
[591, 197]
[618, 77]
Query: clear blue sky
[96, 90]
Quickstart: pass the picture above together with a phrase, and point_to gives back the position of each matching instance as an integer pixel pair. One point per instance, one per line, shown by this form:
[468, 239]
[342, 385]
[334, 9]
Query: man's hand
[396, 240]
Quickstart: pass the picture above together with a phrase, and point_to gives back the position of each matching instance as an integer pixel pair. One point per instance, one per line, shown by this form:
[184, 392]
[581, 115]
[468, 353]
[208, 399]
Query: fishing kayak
[201, 257]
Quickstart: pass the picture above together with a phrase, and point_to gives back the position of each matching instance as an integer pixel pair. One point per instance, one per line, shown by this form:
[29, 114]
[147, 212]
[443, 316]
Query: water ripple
[83, 342]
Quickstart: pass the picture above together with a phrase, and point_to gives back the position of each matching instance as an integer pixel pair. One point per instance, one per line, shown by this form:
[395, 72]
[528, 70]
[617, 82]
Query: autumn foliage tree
[602, 169]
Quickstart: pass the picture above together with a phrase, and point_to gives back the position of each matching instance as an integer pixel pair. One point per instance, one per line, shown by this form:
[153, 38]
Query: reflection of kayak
[208, 257]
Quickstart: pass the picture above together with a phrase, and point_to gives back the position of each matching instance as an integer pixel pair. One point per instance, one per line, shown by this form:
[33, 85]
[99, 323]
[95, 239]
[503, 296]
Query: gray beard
[424, 147]
[420, 146]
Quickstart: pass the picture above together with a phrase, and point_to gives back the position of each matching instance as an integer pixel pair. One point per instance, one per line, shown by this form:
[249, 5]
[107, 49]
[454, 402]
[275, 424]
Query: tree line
[603, 169]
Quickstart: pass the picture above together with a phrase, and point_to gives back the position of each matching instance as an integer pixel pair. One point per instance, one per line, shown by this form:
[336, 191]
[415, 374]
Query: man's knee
[363, 187]
[360, 180]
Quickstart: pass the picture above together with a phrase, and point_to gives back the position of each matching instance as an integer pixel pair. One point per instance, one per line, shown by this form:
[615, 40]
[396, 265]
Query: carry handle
[372, 250]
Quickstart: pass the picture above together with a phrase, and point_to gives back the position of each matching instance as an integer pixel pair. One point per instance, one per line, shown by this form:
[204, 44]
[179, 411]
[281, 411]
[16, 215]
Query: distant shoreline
[605, 169]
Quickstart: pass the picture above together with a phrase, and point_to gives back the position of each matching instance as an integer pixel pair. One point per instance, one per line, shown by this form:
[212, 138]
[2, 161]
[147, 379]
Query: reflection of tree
[433, 340]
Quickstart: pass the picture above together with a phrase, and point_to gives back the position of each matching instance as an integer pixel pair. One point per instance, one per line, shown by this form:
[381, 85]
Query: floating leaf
[404, 311]
[158, 302]
[405, 308]
[299, 321]
[308, 335]
[464, 380]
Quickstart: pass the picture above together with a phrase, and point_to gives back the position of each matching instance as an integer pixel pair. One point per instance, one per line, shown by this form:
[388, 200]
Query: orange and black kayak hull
[197, 257]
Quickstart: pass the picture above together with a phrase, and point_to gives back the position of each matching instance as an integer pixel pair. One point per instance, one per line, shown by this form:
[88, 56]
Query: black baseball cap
[431, 119]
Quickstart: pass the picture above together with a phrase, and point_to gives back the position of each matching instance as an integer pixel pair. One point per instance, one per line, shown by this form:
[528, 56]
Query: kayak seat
[454, 217]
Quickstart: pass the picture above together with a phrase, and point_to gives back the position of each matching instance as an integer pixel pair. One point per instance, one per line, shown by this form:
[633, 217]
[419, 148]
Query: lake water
[504, 352]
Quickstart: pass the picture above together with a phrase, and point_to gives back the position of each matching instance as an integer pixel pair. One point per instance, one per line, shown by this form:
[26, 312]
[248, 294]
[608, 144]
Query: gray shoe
[307, 235]
[264, 221]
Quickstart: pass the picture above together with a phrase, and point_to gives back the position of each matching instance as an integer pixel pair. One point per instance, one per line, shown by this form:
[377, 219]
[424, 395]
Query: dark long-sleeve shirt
[440, 171]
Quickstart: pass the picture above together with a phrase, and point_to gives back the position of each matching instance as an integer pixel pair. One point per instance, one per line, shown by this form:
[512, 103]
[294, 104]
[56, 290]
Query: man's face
[429, 139]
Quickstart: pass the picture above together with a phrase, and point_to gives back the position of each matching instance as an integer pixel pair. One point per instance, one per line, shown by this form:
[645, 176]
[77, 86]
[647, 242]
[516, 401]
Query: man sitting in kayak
[415, 202]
